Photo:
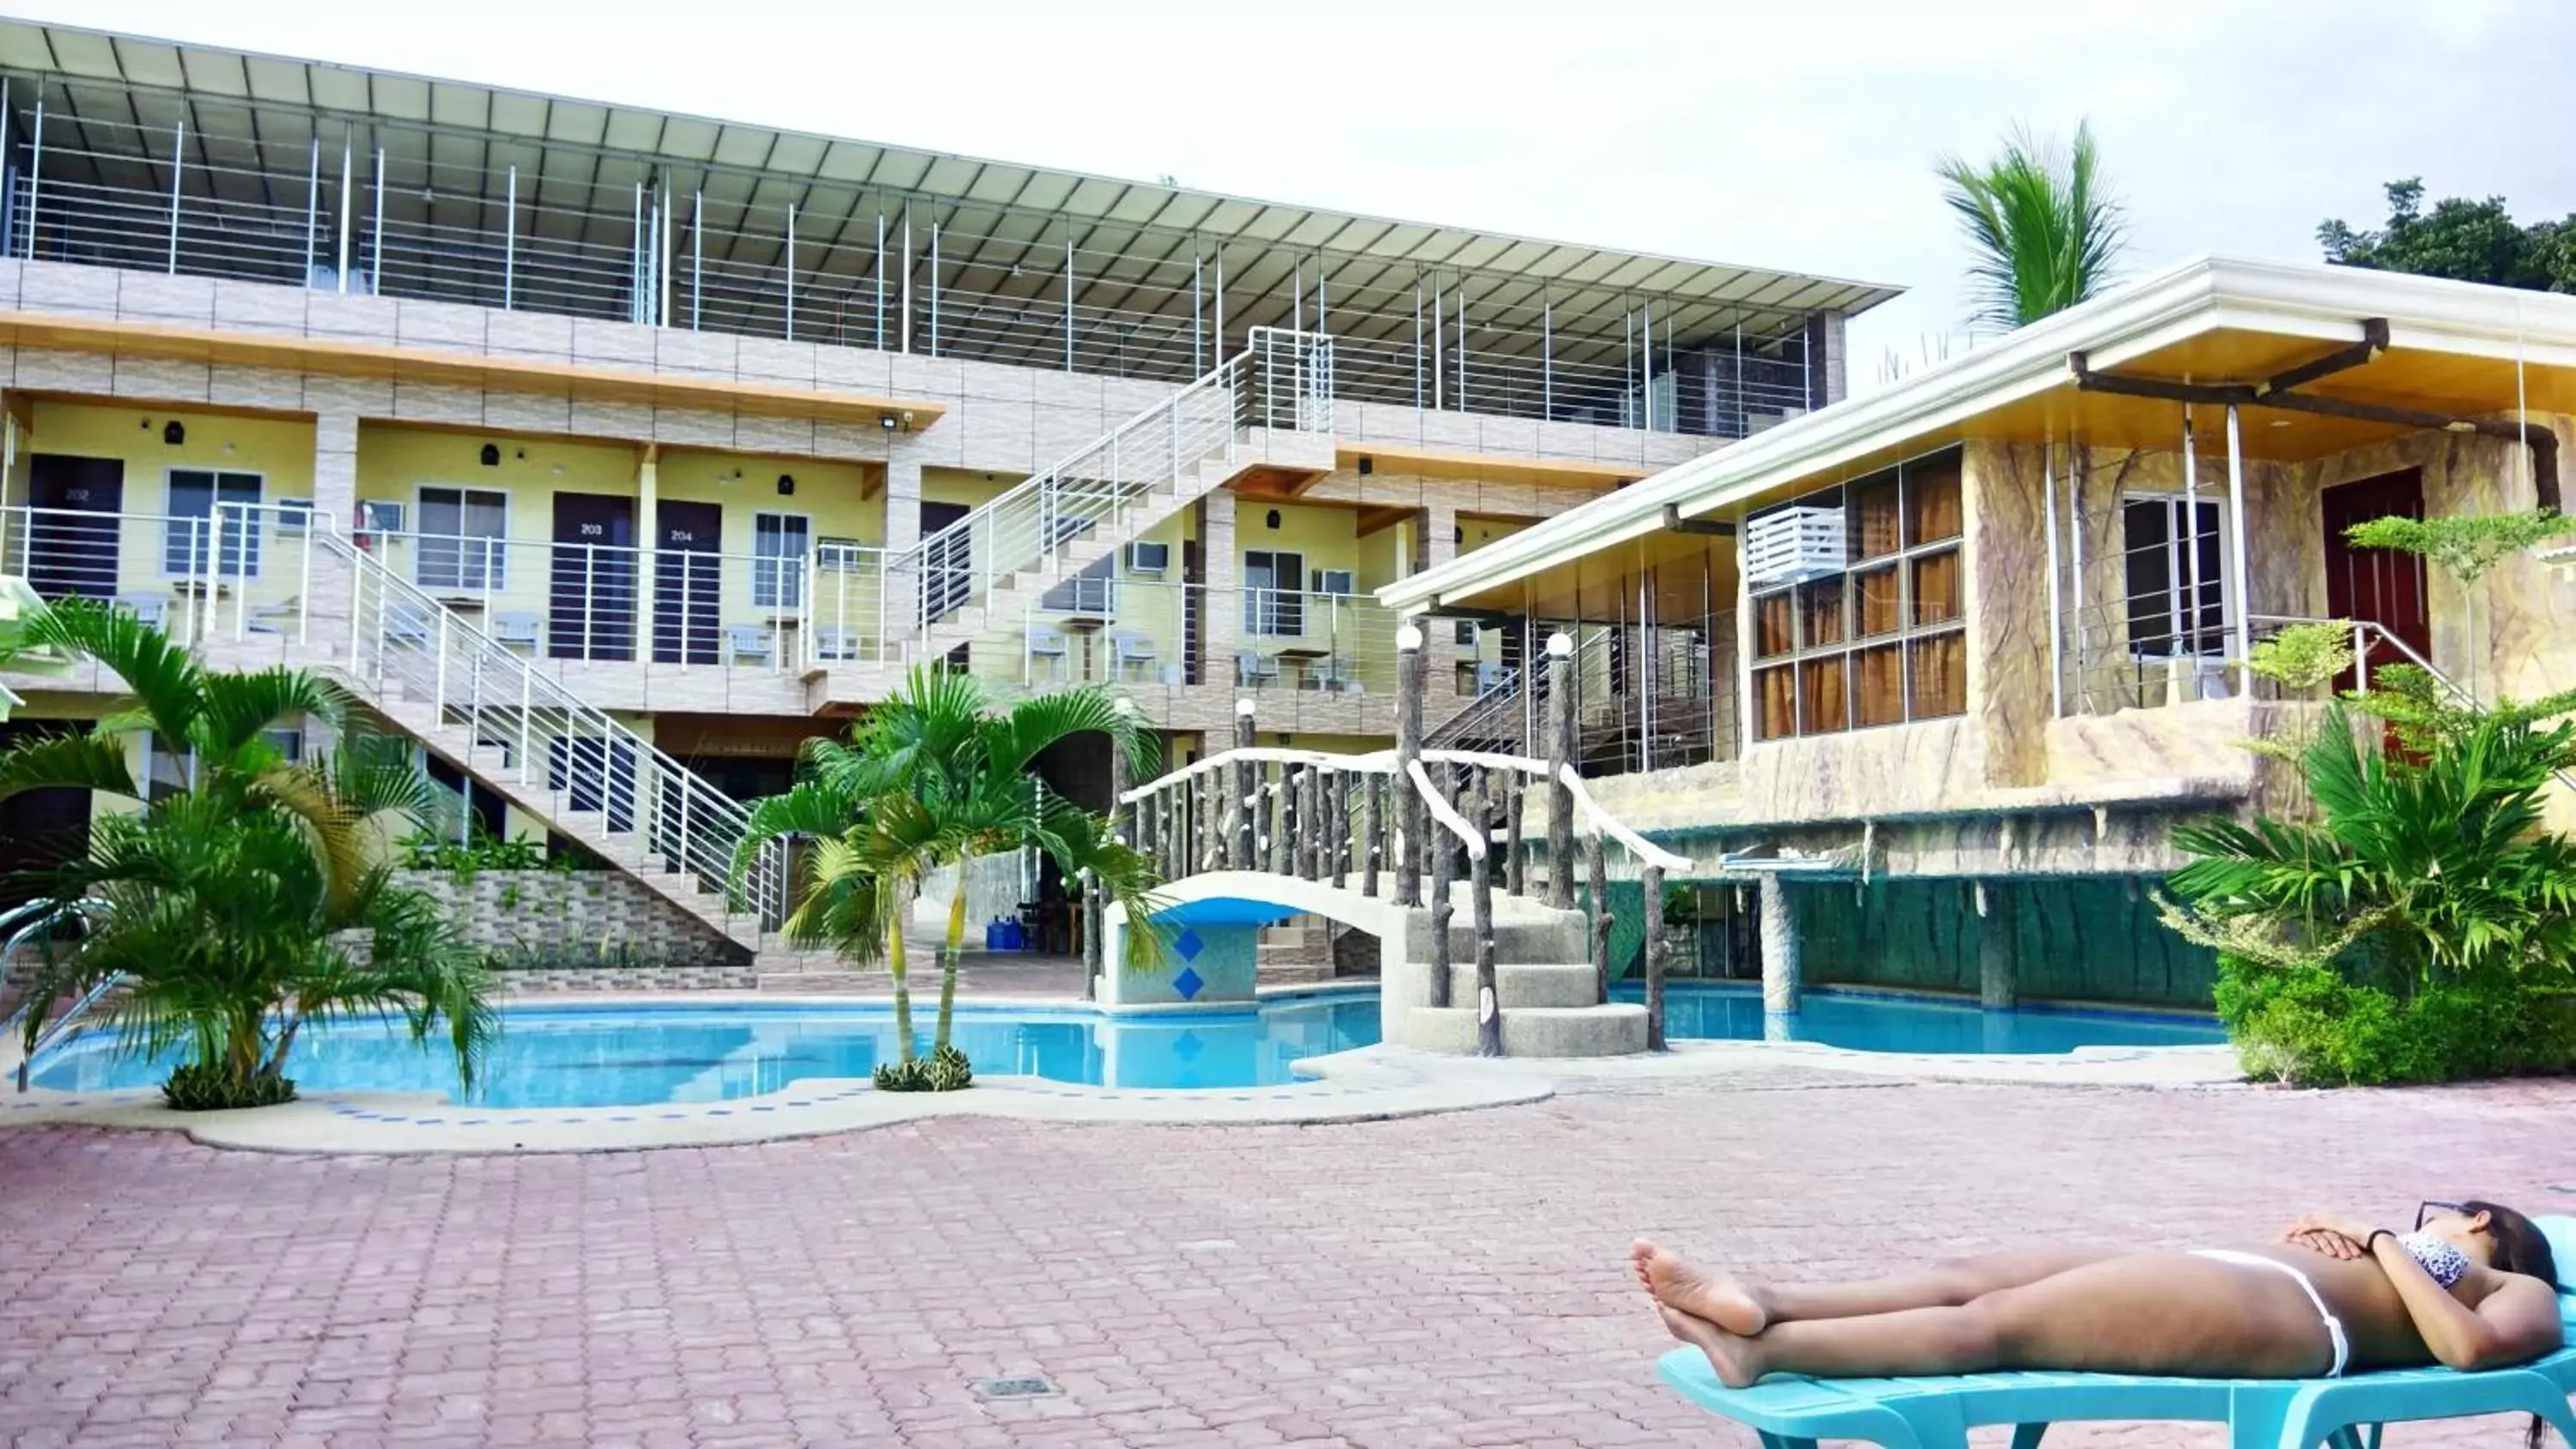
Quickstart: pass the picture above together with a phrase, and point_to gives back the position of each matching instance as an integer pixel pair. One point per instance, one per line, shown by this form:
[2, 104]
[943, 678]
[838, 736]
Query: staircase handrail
[56, 1029]
[698, 800]
[1039, 489]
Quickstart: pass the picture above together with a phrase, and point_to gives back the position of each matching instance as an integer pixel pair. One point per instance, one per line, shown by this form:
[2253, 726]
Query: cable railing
[427, 665]
[1282, 381]
[339, 217]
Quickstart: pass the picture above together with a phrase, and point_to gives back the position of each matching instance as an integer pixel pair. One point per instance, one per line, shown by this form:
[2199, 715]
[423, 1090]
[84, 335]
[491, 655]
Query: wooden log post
[1246, 790]
[1368, 835]
[1596, 853]
[1515, 793]
[1560, 754]
[1337, 827]
[1489, 1006]
[1440, 907]
[1304, 802]
[1283, 845]
[1406, 858]
[1654, 923]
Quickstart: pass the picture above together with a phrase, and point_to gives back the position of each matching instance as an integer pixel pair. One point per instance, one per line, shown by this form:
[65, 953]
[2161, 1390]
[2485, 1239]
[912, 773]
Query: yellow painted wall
[957, 485]
[1382, 556]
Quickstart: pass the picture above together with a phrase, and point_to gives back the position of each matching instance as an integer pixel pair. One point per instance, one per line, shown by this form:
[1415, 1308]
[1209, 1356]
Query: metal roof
[237, 96]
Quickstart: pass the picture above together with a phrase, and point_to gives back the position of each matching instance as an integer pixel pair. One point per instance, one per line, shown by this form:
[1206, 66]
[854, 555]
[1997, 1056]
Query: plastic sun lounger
[1790, 1411]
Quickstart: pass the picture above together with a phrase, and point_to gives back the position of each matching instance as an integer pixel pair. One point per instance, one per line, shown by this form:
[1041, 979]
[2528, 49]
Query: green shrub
[2312, 1025]
[944, 1070]
[197, 1088]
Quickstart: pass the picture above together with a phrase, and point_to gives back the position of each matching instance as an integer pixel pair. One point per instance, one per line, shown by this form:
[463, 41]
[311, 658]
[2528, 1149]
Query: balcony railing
[107, 193]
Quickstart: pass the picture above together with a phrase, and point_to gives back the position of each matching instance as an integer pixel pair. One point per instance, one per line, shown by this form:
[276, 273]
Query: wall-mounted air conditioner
[1788, 545]
[1149, 559]
[1341, 582]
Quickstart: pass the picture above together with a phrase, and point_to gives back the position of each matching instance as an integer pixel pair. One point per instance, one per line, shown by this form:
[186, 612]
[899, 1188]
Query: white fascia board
[2201, 295]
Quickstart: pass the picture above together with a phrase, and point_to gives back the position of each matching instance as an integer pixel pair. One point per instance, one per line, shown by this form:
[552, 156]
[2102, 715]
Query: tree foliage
[2464, 546]
[246, 902]
[2044, 230]
[2469, 241]
[931, 778]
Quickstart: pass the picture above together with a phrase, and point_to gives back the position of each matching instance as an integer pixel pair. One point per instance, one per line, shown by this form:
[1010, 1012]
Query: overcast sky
[1795, 135]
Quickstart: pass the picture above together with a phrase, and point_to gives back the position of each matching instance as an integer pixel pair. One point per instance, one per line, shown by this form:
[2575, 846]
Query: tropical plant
[2471, 241]
[244, 901]
[932, 777]
[2044, 228]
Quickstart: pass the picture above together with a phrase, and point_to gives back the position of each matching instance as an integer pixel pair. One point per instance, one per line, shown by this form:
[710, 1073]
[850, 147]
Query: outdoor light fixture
[1560, 645]
[1368, 465]
[174, 432]
[786, 484]
[491, 455]
[886, 421]
[1273, 519]
[1408, 637]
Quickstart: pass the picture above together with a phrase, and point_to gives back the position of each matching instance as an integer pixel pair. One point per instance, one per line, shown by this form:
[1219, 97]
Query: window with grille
[463, 536]
[1883, 641]
[2169, 563]
[194, 535]
[778, 559]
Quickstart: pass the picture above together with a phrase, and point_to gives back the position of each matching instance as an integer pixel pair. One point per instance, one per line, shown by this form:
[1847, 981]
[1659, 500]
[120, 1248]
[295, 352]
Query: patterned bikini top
[2446, 1264]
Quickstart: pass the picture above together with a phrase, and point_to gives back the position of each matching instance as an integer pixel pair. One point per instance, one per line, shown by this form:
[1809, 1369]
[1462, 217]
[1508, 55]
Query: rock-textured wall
[2073, 939]
[574, 918]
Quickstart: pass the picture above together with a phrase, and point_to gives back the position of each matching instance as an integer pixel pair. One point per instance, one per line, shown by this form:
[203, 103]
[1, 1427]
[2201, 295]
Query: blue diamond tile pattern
[1186, 1046]
[1189, 983]
[1189, 944]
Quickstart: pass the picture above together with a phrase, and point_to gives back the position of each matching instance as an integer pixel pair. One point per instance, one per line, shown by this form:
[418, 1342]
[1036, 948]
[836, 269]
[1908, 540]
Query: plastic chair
[1048, 644]
[1254, 669]
[747, 644]
[517, 628]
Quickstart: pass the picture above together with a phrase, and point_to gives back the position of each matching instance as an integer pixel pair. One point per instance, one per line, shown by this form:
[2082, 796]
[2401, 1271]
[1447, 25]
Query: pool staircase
[1312, 833]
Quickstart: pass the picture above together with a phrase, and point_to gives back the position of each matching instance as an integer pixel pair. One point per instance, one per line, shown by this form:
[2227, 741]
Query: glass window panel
[1878, 686]
[462, 533]
[1940, 675]
[1777, 690]
[1773, 619]
[1874, 518]
[1823, 700]
[1874, 595]
[187, 537]
[1936, 588]
[1932, 500]
[1820, 613]
[2157, 562]
[778, 560]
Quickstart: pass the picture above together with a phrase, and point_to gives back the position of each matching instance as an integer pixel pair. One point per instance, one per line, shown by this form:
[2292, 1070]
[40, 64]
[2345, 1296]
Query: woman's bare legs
[1744, 1308]
[2161, 1314]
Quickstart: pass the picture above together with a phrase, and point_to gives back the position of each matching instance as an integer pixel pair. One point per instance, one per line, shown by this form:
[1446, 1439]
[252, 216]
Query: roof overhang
[2454, 347]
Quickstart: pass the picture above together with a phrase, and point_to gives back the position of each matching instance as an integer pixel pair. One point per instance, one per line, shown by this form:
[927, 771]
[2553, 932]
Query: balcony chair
[518, 628]
[1254, 669]
[1336, 676]
[1131, 650]
[1050, 645]
[152, 609]
[747, 644]
[269, 618]
[406, 624]
[833, 644]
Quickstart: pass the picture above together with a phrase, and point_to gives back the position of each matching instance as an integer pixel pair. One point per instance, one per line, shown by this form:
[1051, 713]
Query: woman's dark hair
[2520, 1246]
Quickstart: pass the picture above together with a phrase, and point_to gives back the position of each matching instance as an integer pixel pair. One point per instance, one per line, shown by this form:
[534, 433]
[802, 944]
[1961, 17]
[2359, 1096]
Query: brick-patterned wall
[640, 978]
[591, 910]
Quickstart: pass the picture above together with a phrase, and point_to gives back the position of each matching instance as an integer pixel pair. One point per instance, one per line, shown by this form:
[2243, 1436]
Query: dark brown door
[947, 572]
[687, 599]
[71, 554]
[2380, 585]
[590, 604]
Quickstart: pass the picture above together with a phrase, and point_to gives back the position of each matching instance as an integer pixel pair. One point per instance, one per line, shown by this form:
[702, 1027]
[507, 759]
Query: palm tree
[931, 778]
[249, 900]
[2045, 231]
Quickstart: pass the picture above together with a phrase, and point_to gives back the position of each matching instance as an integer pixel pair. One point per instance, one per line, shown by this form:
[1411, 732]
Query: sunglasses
[2424, 1211]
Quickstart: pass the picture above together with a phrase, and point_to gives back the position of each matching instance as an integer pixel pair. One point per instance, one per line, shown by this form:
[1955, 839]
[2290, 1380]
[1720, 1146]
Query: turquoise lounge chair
[1793, 1412]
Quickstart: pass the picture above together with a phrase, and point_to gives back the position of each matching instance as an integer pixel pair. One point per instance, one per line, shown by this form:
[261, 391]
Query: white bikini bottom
[2334, 1325]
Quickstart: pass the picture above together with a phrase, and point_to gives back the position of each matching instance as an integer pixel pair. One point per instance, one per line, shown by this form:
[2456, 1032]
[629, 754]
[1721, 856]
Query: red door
[2381, 585]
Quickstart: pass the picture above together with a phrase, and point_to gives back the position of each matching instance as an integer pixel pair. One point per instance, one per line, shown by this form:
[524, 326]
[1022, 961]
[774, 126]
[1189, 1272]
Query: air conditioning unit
[1150, 559]
[1788, 545]
[1335, 581]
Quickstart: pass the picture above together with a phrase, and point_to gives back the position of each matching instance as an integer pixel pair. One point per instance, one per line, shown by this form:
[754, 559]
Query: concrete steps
[1525, 984]
[1618, 1029]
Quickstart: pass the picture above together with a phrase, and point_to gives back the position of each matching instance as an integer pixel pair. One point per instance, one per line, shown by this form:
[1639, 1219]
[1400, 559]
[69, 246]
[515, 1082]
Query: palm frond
[2043, 231]
[67, 762]
[165, 680]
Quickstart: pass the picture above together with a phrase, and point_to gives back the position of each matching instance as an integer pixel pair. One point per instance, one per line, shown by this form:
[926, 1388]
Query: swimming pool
[1876, 1022]
[644, 1055]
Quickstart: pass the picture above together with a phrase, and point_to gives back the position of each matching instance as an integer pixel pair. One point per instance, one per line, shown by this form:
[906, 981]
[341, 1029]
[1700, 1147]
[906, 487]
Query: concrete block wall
[574, 911]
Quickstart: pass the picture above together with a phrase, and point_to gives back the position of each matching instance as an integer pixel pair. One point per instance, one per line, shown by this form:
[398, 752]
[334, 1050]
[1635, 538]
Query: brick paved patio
[1436, 1281]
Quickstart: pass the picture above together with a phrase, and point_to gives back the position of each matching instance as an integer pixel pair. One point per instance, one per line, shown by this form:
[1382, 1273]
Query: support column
[902, 500]
[1439, 546]
[330, 602]
[648, 534]
[1247, 778]
[1407, 855]
[1560, 753]
[1998, 948]
[1220, 602]
[1783, 981]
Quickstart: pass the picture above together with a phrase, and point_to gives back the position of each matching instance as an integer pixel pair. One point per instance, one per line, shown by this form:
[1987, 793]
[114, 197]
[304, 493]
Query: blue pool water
[1733, 1012]
[641, 1056]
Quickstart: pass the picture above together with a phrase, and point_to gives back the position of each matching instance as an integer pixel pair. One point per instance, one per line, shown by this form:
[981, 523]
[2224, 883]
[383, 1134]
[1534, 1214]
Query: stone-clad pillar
[1998, 947]
[1782, 976]
[335, 499]
[902, 500]
[1221, 566]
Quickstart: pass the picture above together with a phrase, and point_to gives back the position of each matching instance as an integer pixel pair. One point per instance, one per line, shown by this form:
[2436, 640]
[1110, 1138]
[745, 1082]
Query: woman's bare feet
[1738, 1361]
[1718, 1299]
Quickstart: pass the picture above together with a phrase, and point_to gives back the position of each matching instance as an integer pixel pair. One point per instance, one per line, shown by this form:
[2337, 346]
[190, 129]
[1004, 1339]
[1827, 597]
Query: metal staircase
[522, 734]
[1270, 405]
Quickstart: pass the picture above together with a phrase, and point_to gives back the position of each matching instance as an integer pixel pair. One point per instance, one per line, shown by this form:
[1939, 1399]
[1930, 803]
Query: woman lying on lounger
[2473, 1287]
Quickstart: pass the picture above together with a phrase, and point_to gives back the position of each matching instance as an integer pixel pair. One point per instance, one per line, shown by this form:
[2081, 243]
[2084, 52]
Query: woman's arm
[2516, 1323]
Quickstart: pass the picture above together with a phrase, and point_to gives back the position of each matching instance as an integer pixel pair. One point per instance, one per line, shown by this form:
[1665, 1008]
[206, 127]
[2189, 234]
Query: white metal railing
[405, 645]
[234, 571]
[1282, 381]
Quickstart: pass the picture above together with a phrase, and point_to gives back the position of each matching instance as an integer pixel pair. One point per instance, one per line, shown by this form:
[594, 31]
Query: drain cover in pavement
[1015, 1388]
